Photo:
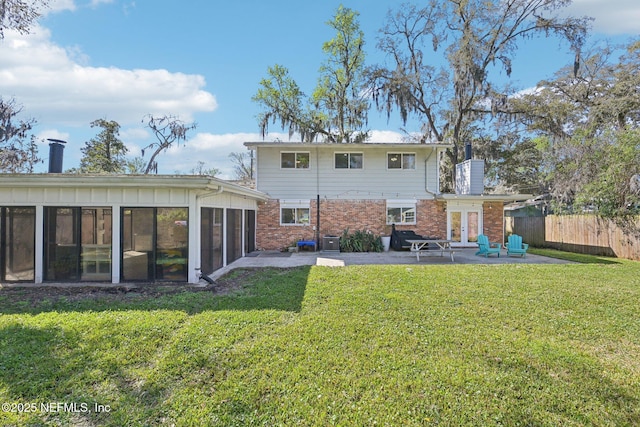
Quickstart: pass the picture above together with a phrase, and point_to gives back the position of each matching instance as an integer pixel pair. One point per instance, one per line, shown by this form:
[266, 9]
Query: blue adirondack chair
[516, 247]
[486, 248]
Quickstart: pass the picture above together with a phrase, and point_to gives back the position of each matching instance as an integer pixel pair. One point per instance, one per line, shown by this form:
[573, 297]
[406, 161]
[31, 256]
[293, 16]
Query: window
[17, 251]
[294, 213]
[401, 212]
[155, 244]
[77, 244]
[348, 160]
[294, 160]
[298, 216]
[234, 234]
[211, 239]
[401, 161]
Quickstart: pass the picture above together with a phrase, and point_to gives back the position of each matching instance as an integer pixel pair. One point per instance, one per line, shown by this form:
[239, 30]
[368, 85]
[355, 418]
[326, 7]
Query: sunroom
[121, 228]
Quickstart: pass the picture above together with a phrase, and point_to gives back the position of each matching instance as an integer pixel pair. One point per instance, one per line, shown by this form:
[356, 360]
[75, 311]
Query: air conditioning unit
[331, 244]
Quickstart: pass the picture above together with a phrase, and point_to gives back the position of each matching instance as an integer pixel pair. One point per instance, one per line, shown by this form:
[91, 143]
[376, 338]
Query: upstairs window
[401, 160]
[294, 160]
[348, 160]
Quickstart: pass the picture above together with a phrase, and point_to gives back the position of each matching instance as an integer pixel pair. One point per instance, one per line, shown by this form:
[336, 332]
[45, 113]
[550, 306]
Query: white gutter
[426, 182]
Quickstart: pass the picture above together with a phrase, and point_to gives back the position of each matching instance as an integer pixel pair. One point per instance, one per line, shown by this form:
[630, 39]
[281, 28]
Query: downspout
[219, 190]
[426, 182]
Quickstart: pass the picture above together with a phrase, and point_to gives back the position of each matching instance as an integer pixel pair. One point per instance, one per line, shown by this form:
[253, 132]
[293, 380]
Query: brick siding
[338, 215]
[493, 221]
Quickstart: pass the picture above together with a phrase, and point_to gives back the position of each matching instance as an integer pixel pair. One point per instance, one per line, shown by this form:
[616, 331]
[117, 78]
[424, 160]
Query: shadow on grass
[63, 381]
[244, 289]
[575, 257]
[582, 378]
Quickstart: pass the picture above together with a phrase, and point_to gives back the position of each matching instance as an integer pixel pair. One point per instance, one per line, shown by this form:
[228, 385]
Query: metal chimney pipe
[56, 154]
[467, 151]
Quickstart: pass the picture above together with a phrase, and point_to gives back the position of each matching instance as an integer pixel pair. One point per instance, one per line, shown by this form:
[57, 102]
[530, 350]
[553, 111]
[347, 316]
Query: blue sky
[202, 61]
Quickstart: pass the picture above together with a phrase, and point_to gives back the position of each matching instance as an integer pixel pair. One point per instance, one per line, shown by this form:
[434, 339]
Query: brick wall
[337, 215]
[493, 221]
[270, 235]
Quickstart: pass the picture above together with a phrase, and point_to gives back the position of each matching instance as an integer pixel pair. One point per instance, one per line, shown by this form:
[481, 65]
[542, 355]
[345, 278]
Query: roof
[192, 182]
[361, 145]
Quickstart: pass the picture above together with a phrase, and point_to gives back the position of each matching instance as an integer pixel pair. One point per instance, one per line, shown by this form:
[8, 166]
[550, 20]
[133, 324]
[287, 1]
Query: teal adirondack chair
[486, 248]
[516, 247]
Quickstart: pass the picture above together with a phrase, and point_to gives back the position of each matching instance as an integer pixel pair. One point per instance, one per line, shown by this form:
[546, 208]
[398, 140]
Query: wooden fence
[576, 233]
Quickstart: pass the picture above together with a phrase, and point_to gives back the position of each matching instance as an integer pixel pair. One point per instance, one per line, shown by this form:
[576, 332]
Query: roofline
[255, 144]
[484, 197]
[193, 182]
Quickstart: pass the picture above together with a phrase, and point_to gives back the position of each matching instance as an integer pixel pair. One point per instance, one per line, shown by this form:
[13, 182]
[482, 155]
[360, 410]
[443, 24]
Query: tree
[604, 94]
[341, 96]
[136, 166]
[242, 165]
[18, 149]
[471, 38]
[199, 169]
[106, 152]
[168, 130]
[19, 15]
[614, 162]
[589, 119]
[337, 110]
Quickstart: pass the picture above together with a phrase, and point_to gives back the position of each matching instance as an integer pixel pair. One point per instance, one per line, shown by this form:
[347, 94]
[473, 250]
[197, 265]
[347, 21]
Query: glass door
[137, 244]
[155, 244]
[77, 243]
[17, 253]
[464, 225]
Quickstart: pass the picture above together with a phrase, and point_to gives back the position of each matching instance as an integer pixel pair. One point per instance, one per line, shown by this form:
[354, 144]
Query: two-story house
[318, 189]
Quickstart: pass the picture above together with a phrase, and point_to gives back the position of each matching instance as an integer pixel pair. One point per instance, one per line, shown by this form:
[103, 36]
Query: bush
[360, 241]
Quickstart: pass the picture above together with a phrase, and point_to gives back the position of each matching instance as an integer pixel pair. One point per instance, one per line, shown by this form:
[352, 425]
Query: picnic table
[420, 247]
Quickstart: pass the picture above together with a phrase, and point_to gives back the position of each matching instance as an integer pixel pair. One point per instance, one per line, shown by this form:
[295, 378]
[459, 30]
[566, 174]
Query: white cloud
[211, 149]
[386, 136]
[59, 6]
[45, 134]
[54, 87]
[95, 3]
[612, 17]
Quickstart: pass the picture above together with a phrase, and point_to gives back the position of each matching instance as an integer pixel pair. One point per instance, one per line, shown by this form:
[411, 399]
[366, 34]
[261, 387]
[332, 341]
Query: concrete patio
[339, 259]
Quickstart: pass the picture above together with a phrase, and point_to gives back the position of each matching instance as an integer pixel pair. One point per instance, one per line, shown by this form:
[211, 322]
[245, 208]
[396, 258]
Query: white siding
[228, 200]
[373, 181]
[94, 197]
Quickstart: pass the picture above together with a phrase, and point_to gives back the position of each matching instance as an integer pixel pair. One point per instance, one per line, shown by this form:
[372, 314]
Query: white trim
[295, 204]
[116, 242]
[194, 231]
[464, 209]
[39, 246]
[410, 204]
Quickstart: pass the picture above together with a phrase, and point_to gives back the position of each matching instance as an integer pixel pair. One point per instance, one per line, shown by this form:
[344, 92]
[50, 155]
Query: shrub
[360, 241]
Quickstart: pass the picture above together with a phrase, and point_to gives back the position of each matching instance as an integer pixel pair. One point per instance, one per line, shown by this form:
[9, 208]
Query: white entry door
[464, 224]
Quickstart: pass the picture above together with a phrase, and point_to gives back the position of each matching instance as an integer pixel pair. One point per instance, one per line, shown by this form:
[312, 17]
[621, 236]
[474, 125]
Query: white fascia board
[485, 197]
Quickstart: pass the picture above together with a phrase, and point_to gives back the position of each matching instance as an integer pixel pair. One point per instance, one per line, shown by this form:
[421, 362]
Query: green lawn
[409, 345]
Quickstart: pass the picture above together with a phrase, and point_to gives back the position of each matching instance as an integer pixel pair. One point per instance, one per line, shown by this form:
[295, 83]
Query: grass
[532, 345]
[574, 257]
